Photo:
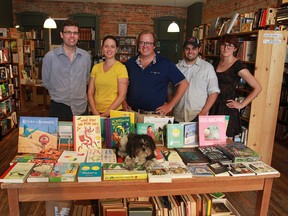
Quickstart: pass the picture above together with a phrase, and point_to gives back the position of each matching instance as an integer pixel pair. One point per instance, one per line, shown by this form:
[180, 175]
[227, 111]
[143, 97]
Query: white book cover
[72, 157]
[17, 173]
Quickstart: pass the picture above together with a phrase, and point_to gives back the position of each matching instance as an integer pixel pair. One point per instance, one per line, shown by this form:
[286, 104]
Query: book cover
[160, 124]
[145, 128]
[179, 170]
[214, 154]
[175, 135]
[238, 152]
[40, 172]
[37, 133]
[118, 113]
[117, 128]
[212, 130]
[94, 155]
[47, 156]
[227, 204]
[64, 172]
[261, 168]
[191, 156]
[239, 169]
[65, 135]
[87, 132]
[159, 173]
[199, 170]
[72, 157]
[232, 22]
[108, 156]
[17, 173]
[218, 169]
[191, 135]
[159, 155]
[117, 171]
[90, 172]
[23, 158]
[171, 155]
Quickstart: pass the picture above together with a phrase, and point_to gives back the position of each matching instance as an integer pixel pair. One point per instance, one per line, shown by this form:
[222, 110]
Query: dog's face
[141, 146]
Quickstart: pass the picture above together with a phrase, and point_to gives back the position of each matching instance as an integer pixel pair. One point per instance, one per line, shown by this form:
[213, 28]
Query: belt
[141, 111]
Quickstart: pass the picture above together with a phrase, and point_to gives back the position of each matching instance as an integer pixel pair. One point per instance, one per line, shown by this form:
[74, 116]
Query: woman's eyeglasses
[227, 45]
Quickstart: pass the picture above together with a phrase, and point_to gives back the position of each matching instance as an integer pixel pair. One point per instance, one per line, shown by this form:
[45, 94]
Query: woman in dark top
[229, 71]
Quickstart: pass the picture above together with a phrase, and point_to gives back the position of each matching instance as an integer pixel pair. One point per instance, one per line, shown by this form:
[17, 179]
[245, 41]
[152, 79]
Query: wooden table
[116, 189]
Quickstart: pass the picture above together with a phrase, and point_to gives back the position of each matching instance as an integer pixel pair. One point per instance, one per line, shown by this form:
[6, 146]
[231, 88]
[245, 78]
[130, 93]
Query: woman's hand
[234, 104]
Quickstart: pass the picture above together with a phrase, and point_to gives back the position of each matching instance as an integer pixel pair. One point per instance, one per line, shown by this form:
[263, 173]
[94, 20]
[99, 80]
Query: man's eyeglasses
[70, 33]
[148, 44]
[227, 45]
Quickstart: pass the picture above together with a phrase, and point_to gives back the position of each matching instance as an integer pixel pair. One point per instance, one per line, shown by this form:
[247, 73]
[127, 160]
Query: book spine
[112, 177]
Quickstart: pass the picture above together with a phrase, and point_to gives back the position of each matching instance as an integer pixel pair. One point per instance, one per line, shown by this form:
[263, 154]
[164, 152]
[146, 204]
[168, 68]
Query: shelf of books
[127, 48]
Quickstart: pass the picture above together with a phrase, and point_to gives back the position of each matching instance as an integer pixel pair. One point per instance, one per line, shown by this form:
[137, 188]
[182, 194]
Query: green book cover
[175, 135]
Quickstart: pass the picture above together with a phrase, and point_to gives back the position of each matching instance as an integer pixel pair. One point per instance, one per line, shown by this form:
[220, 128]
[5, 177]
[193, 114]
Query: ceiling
[177, 3]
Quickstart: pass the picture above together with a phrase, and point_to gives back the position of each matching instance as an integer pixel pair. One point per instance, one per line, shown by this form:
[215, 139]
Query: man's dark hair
[69, 22]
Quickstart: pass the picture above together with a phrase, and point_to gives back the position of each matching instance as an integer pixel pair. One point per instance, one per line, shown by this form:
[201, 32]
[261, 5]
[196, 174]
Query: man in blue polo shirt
[149, 76]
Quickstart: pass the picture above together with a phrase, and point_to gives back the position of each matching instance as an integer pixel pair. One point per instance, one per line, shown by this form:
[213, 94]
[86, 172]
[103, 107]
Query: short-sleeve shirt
[148, 87]
[106, 84]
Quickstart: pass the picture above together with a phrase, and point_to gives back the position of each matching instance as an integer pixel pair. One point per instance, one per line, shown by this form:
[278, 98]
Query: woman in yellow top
[108, 81]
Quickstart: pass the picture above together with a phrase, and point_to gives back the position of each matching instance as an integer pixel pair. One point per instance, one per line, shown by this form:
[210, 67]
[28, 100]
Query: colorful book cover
[40, 172]
[261, 168]
[65, 135]
[23, 158]
[87, 132]
[118, 113]
[218, 169]
[117, 128]
[239, 169]
[108, 156]
[175, 135]
[117, 171]
[64, 172]
[47, 156]
[17, 173]
[160, 124]
[90, 172]
[37, 133]
[94, 155]
[191, 156]
[145, 128]
[190, 135]
[212, 130]
[199, 170]
[238, 152]
[214, 154]
[179, 170]
[72, 157]
[159, 155]
[159, 173]
[171, 155]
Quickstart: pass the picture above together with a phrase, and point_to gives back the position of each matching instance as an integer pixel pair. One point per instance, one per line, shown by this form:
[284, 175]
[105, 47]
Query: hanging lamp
[173, 27]
[50, 23]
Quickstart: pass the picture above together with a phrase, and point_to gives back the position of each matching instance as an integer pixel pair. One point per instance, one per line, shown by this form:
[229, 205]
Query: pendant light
[50, 23]
[173, 27]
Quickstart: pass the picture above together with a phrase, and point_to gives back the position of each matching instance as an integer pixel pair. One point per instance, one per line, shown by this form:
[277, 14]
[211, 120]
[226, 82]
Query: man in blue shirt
[149, 76]
[65, 73]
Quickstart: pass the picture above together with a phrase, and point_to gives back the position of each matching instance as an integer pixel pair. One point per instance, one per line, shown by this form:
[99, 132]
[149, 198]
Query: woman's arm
[90, 93]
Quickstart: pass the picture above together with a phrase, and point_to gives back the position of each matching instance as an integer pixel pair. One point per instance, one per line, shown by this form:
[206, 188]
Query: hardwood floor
[244, 202]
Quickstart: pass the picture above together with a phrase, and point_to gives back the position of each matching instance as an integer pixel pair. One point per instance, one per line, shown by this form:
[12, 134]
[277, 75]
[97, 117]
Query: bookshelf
[268, 70]
[11, 63]
[127, 48]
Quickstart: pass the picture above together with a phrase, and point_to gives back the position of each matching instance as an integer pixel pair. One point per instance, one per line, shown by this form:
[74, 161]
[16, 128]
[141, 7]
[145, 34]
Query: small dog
[137, 150]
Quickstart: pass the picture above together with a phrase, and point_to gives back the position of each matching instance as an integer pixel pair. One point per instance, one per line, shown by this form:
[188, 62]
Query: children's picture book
[261, 168]
[238, 152]
[117, 171]
[218, 169]
[108, 156]
[72, 157]
[17, 173]
[117, 128]
[37, 133]
[212, 130]
[47, 156]
[87, 132]
[179, 170]
[190, 135]
[175, 135]
[146, 128]
[214, 154]
[239, 169]
[160, 124]
[171, 155]
[159, 173]
[40, 172]
[64, 172]
[23, 158]
[94, 155]
[65, 135]
[120, 113]
[199, 170]
[191, 156]
[90, 172]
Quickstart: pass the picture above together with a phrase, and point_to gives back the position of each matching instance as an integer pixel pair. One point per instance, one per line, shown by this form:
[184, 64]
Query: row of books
[86, 34]
[33, 34]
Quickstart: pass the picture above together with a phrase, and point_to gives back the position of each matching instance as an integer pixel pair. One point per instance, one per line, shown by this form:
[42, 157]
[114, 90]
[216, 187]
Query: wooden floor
[244, 201]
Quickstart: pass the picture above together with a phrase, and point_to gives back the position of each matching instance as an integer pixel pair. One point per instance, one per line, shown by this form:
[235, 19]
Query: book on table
[37, 133]
[90, 172]
[65, 135]
[120, 113]
[47, 156]
[64, 172]
[72, 157]
[175, 136]
[179, 170]
[199, 170]
[261, 168]
[191, 155]
[40, 172]
[190, 134]
[86, 133]
[239, 169]
[159, 173]
[212, 130]
[214, 154]
[171, 155]
[23, 158]
[145, 128]
[17, 173]
[218, 169]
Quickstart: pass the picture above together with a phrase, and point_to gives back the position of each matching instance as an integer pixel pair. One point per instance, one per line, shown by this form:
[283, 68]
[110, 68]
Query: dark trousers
[62, 111]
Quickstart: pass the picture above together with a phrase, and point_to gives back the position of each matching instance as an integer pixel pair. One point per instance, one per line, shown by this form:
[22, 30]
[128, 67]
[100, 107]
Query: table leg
[13, 201]
[263, 198]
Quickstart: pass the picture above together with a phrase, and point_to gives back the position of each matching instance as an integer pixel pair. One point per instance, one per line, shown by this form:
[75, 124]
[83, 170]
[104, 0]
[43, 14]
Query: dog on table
[137, 149]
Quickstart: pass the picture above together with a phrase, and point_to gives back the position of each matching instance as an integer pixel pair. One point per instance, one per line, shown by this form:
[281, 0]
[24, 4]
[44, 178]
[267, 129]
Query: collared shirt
[147, 89]
[67, 81]
[202, 82]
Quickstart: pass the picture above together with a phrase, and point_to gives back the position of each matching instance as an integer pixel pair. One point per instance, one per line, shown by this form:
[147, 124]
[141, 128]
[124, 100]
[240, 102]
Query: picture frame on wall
[123, 29]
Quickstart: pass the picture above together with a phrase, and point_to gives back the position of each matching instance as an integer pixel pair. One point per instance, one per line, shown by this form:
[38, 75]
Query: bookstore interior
[117, 166]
